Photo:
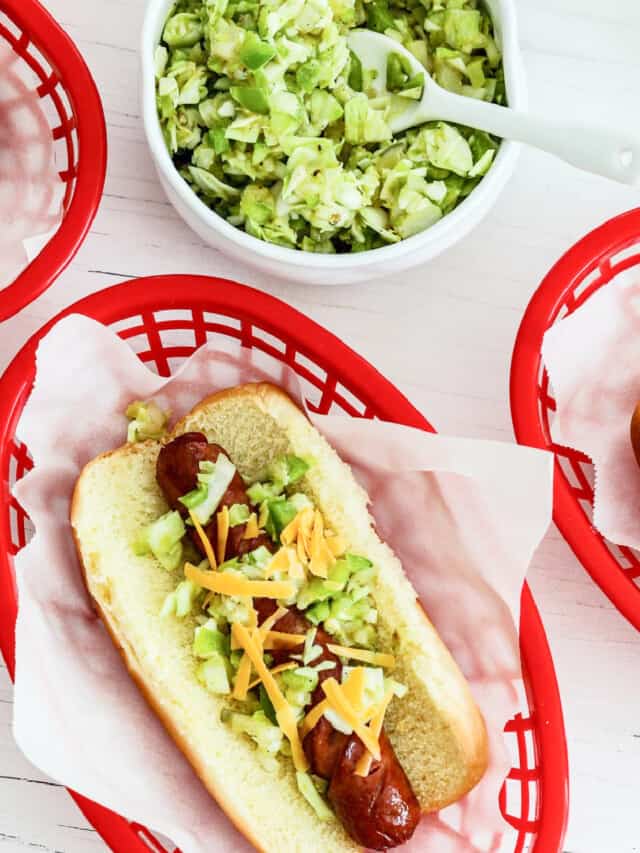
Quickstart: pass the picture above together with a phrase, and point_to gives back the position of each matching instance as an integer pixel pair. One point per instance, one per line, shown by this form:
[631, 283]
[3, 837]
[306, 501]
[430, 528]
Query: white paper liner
[31, 191]
[464, 516]
[593, 361]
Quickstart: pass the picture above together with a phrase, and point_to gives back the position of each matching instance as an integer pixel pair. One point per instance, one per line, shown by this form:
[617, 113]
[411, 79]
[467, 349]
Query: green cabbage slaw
[342, 604]
[272, 121]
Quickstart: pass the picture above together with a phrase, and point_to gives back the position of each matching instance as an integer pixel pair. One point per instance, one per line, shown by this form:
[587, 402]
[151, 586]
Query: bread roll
[437, 730]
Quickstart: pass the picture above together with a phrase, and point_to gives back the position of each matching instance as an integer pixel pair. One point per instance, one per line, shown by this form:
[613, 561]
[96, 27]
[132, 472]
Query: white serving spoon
[614, 154]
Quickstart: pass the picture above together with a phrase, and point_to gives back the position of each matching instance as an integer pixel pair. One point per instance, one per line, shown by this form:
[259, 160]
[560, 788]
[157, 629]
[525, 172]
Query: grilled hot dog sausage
[380, 810]
[177, 470]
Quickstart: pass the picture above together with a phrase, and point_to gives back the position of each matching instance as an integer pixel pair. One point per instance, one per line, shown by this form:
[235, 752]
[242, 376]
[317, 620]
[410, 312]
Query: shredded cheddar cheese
[319, 553]
[243, 675]
[367, 715]
[321, 559]
[296, 569]
[285, 560]
[231, 583]
[290, 533]
[305, 530]
[251, 530]
[364, 655]
[353, 688]
[263, 515]
[284, 714]
[278, 563]
[314, 547]
[341, 705]
[253, 615]
[270, 621]
[277, 640]
[353, 692]
[336, 545]
[300, 550]
[280, 640]
[375, 727]
[223, 532]
[281, 667]
[317, 533]
[307, 547]
[241, 684]
[206, 544]
[313, 718]
[266, 626]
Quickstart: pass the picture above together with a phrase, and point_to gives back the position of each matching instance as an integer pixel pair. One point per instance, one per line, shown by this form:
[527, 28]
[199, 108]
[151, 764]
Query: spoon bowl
[614, 154]
[373, 50]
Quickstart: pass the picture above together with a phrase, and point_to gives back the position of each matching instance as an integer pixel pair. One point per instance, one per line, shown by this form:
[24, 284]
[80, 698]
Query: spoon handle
[614, 154]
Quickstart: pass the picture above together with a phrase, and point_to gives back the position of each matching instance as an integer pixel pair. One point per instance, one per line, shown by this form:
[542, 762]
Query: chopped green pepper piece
[379, 18]
[267, 706]
[251, 98]
[255, 53]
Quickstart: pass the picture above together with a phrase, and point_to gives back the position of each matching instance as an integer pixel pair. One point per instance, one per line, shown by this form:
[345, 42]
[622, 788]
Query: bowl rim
[437, 237]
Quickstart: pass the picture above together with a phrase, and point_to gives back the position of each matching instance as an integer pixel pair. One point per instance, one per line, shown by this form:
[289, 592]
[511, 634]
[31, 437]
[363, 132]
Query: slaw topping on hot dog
[286, 630]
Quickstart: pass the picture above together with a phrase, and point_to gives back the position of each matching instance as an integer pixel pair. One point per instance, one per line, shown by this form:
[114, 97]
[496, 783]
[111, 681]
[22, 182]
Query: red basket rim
[60, 51]
[272, 315]
[591, 252]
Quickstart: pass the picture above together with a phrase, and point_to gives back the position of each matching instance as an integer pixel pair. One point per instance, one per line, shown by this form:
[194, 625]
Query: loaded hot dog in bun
[236, 567]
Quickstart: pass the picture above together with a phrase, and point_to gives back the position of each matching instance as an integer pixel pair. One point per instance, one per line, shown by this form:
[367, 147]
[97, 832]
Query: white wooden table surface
[443, 333]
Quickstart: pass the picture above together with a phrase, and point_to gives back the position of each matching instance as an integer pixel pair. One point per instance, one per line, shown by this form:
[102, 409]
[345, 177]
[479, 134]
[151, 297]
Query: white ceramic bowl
[308, 267]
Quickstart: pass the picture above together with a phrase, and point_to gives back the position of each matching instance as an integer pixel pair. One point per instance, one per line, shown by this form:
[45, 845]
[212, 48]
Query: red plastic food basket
[71, 105]
[582, 271]
[165, 319]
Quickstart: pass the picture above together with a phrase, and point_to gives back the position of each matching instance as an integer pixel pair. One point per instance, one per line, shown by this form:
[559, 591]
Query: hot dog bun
[437, 730]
